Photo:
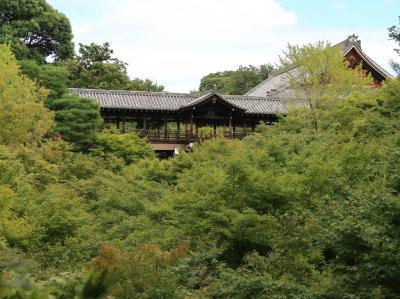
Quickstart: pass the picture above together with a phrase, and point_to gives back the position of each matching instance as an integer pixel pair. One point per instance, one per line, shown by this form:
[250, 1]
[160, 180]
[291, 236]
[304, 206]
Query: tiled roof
[265, 105]
[278, 83]
[138, 100]
[166, 101]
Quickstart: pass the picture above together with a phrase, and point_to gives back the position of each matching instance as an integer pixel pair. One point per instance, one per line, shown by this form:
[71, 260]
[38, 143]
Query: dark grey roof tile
[165, 101]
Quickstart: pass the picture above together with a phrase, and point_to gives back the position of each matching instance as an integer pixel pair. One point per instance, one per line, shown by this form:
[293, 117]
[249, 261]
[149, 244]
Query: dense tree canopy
[53, 77]
[237, 82]
[35, 30]
[77, 119]
[319, 75]
[95, 67]
[289, 212]
[23, 117]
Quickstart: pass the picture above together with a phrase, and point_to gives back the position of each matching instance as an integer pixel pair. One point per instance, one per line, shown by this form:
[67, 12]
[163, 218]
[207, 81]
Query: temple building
[173, 121]
[278, 84]
[176, 121]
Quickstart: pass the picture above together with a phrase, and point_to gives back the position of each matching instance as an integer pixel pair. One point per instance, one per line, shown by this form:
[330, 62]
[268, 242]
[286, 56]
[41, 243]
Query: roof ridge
[249, 97]
[116, 91]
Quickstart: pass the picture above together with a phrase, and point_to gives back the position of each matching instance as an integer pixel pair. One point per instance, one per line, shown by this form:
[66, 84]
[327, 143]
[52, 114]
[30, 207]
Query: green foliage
[77, 119]
[144, 85]
[288, 212]
[95, 67]
[23, 117]
[35, 30]
[128, 147]
[239, 81]
[319, 75]
[22, 289]
[52, 76]
[394, 34]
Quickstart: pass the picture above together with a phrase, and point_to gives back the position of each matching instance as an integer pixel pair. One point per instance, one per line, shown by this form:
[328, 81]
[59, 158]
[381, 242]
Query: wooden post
[215, 129]
[223, 133]
[144, 123]
[178, 129]
[165, 129]
[191, 123]
[118, 123]
[230, 124]
[123, 125]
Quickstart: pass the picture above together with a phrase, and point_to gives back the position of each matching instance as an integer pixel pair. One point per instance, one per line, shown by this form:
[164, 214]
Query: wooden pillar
[178, 129]
[223, 133]
[197, 129]
[215, 129]
[123, 129]
[230, 124]
[144, 122]
[165, 129]
[253, 127]
[118, 123]
[190, 123]
[244, 127]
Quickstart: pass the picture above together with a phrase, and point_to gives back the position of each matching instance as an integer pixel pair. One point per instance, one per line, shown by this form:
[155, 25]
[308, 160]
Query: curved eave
[366, 59]
[207, 97]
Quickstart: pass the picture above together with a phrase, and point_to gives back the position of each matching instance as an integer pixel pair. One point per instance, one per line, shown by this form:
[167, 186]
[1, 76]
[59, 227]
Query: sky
[177, 42]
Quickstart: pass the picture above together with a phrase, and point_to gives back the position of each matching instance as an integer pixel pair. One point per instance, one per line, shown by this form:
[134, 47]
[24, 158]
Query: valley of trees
[306, 208]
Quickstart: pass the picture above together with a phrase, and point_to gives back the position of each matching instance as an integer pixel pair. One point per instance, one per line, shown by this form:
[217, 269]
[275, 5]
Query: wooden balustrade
[185, 136]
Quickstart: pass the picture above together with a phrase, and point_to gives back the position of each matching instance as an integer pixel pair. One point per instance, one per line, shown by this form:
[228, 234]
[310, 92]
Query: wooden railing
[186, 136]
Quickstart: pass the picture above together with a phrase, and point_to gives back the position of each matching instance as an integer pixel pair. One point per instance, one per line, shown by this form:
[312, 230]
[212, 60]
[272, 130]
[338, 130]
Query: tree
[144, 85]
[319, 75]
[52, 76]
[77, 120]
[23, 117]
[128, 147]
[35, 30]
[394, 34]
[236, 82]
[95, 67]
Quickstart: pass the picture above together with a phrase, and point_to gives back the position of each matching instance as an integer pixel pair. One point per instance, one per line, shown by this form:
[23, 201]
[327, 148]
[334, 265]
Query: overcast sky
[176, 42]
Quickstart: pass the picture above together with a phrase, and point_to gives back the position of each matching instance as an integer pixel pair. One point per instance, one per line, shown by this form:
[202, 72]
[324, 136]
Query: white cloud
[176, 42]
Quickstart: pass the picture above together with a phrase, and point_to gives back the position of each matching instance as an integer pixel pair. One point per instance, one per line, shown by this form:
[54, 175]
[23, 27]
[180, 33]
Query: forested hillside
[306, 208]
[293, 211]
